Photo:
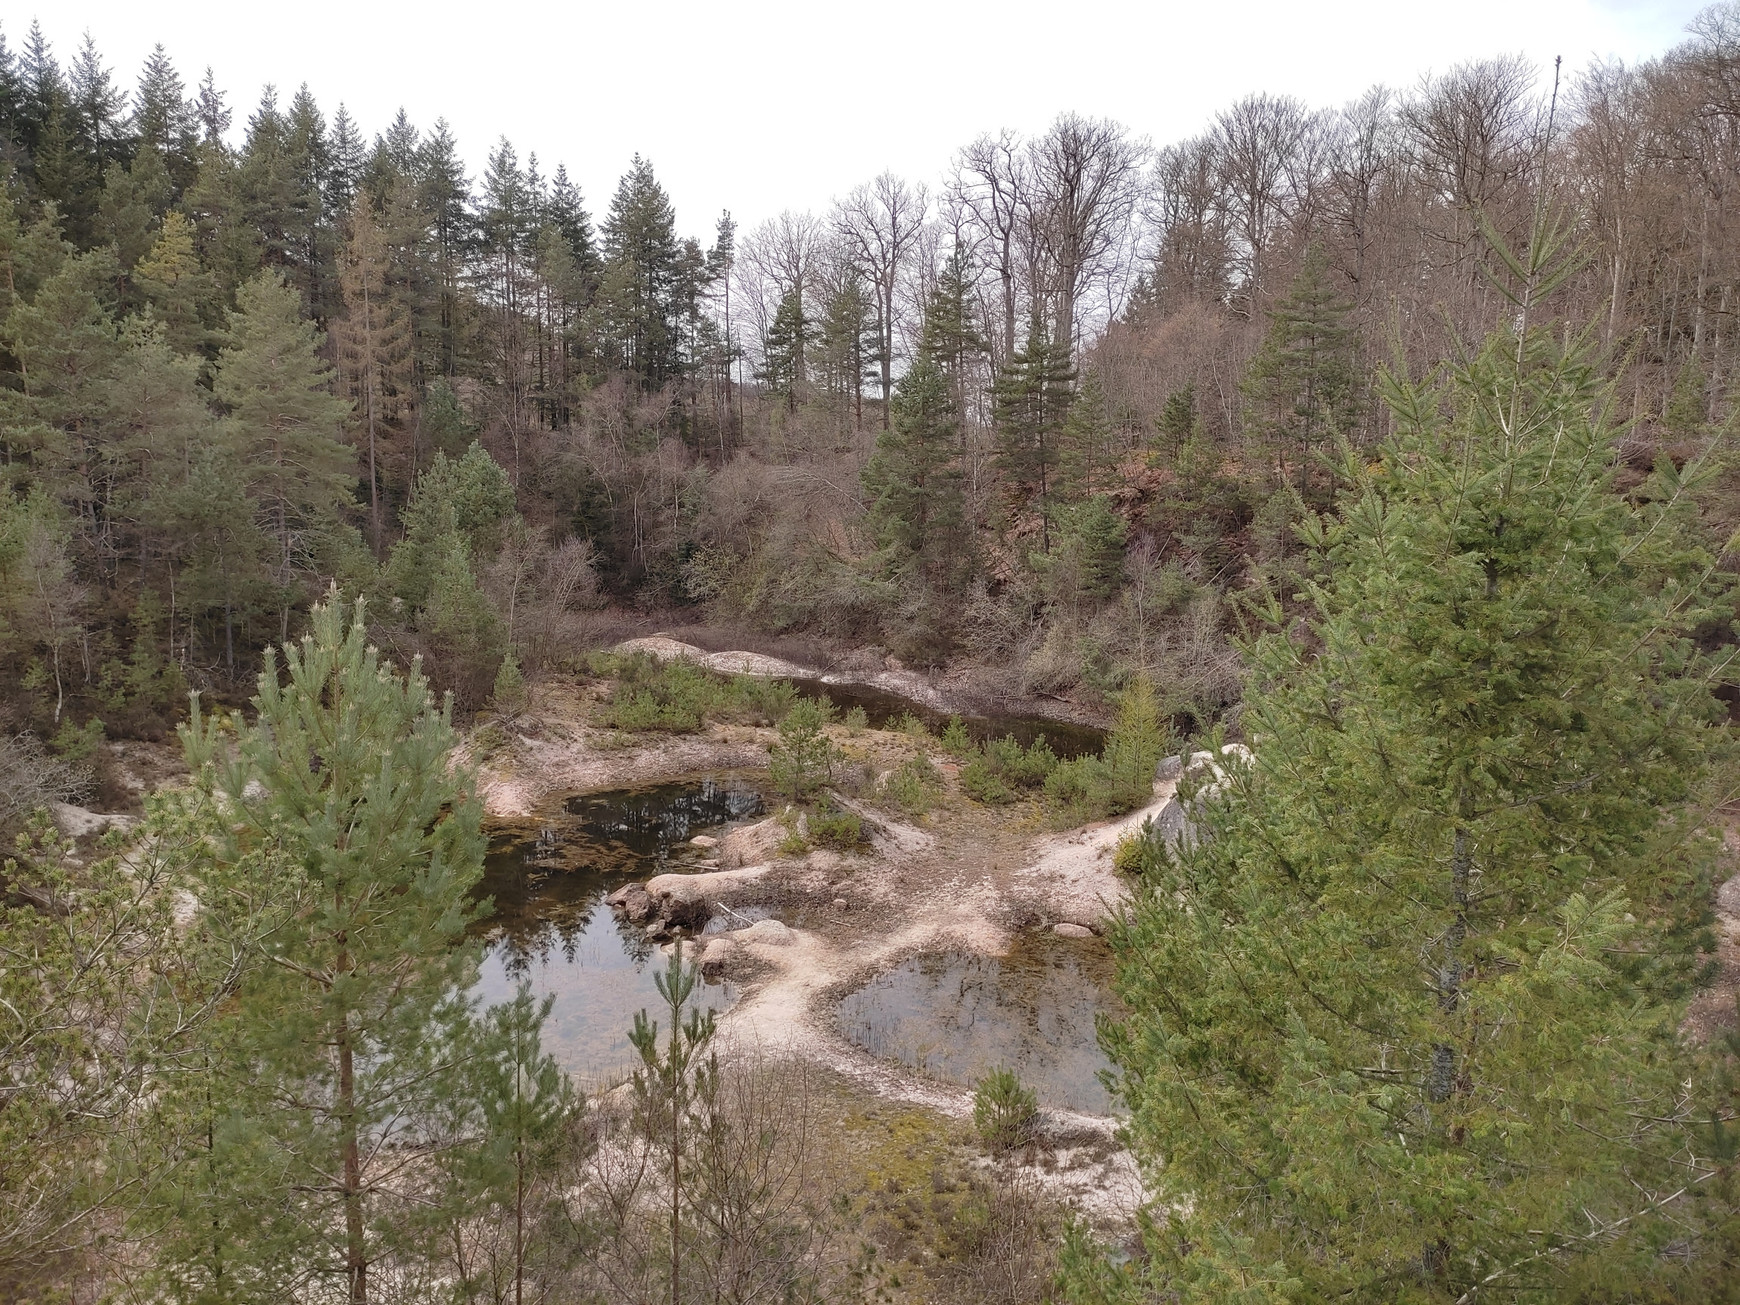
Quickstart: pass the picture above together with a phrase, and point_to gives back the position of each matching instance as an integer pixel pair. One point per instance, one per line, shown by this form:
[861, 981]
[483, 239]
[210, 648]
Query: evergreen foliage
[1403, 1015]
[352, 1032]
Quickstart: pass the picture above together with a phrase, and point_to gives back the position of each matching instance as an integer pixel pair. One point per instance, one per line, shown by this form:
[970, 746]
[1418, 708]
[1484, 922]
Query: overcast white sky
[766, 104]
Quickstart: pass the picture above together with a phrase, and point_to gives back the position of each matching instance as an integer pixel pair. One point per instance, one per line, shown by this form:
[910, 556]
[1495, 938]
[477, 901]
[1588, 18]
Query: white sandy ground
[917, 890]
[907, 684]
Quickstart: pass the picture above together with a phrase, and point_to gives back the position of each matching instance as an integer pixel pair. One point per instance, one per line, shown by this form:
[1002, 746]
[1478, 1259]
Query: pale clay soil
[969, 879]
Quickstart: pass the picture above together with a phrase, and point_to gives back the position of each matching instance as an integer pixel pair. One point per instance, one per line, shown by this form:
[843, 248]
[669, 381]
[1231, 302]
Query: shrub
[679, 697]
[915, 786]
[1002, 770]
[1004, 1112]
[831, 827]
[803, 759]
[981, 782]
[771, 699]
[856, 720]
[955, 739]
[1121, 778]
[910, 725]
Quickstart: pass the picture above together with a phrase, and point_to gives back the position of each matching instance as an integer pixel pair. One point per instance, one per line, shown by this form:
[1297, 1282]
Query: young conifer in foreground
[331, 1089]
[1404, 1024]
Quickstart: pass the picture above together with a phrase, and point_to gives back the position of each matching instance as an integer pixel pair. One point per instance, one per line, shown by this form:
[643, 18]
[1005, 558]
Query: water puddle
[550, 927]
[957, 1015]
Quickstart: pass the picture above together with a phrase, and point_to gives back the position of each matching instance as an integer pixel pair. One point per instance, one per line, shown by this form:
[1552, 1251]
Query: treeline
[1050, 413]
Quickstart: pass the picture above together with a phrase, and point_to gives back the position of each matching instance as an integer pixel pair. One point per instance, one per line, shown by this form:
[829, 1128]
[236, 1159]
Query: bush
[767, 699]
[1121, 778]
[915, 786]
[679, 697]
[1004, 1112]
[955, 739]
[856, 720]
[910, 725]
[803, 759]
[1003, 770]
[831, 827]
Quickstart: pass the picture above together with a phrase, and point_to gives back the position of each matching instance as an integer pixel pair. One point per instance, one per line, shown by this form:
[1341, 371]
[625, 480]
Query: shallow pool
[549, 926]
[956, 1016]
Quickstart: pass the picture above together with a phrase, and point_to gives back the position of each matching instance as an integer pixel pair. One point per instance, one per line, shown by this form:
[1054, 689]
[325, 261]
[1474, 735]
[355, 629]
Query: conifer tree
[913, 482]
[374, 348]
[1032, 398]
[1302, 380]
[353, 1027]
[638, 293]
[1403, 1007]
[174, 283]
[782, 362]
[286, 423]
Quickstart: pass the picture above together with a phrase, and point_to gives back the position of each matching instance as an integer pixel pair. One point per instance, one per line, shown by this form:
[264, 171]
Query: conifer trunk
[355, 1262]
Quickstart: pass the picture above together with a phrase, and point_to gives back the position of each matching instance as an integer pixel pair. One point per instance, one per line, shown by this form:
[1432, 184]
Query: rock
[1728, 897]
[715, 956]
[633, 900]
[1067, 929]
[751, 844]
[77, 822]
[770, 933]
[703, 841]
[839, 903]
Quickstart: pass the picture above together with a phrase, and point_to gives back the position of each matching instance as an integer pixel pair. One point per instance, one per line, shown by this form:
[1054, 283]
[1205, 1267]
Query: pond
[956, 1016]
[550, 927]
[882, 708]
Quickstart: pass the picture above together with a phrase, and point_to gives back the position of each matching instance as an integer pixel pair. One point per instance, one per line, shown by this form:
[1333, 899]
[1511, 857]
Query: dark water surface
[957, 1015]
[551, 928]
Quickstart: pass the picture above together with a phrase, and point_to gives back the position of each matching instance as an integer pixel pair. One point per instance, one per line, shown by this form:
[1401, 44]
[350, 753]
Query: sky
[767, 105]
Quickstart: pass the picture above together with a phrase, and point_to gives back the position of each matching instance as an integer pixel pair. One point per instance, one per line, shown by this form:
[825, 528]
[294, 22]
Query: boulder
[633, 900]
[751, 844]
[703, 841]
[769, 933]
[715, 956]
[1728, 897]
[1066, 929]
[78, 822]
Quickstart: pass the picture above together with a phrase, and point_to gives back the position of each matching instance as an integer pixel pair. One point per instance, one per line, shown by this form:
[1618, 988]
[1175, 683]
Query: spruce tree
[640, 277]
[913, 482]
[1403, 1008]
[1302, 381]
[782, 363]
[1031, 401]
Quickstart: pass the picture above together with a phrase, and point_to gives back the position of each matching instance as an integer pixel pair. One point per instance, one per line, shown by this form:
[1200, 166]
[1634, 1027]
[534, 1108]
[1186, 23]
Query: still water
[551, 928]
[956, 1016]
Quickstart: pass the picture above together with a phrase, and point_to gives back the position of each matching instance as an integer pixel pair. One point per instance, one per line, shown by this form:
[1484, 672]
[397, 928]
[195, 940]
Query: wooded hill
[1053, 410]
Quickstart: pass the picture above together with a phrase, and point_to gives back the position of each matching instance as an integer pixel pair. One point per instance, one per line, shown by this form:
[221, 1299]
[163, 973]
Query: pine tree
[175, 285]
[287, 424]
[351, 1032]
[1403, 1016]
[374, 348]
[1302, 381]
